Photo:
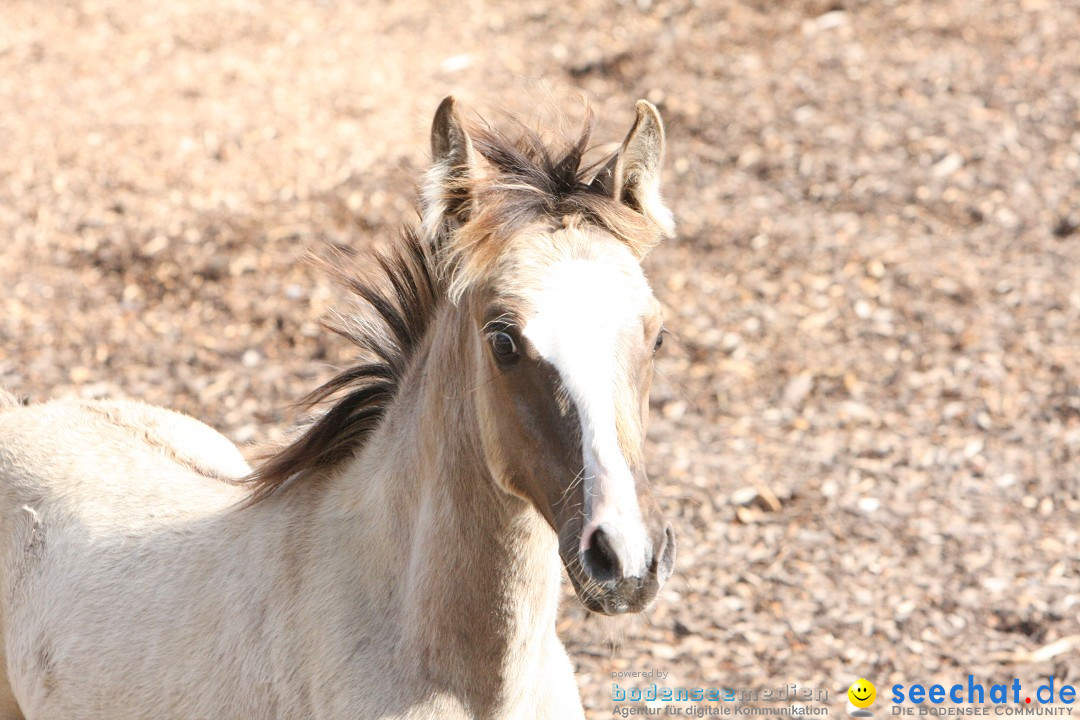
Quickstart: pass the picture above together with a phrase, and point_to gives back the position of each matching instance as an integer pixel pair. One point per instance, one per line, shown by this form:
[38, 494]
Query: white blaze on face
[582, 310]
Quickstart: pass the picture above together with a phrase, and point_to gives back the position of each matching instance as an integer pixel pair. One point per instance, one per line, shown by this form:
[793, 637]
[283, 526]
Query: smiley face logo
[862, 693]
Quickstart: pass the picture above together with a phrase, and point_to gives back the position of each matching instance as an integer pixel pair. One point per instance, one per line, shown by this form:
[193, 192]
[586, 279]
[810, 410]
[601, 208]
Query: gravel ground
[867, 430]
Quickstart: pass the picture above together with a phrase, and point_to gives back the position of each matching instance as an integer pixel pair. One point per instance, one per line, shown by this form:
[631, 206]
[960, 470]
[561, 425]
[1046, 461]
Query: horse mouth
[629, 595]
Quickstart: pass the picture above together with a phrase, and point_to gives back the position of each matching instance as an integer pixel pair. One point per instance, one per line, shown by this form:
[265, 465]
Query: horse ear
[632, 175]
[445, 196]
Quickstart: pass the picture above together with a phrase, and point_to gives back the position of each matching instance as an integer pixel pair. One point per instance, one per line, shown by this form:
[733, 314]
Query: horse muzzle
[612, 579]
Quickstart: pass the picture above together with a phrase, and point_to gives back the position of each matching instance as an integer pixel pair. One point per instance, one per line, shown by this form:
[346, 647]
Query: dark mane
[396, 292]
[394, 298]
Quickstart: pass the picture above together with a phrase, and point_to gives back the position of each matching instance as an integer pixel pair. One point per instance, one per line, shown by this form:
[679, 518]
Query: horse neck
[475, 569]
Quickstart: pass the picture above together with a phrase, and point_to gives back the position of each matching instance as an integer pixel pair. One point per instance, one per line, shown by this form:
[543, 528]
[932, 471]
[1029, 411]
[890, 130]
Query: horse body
[401, 558]
[133, 588]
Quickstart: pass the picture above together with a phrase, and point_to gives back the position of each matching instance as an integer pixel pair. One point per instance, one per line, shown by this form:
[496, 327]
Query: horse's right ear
[446, 198]
[632, 176]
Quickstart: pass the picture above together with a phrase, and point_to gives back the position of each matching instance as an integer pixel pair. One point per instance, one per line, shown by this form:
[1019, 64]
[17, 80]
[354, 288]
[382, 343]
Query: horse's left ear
[632, 176]
[445, 197]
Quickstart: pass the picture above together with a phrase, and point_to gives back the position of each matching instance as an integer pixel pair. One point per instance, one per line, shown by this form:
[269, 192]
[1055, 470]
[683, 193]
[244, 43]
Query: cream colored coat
[132, 587]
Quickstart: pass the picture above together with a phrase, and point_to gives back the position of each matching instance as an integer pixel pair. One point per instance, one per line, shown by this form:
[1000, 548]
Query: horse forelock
[524, 179]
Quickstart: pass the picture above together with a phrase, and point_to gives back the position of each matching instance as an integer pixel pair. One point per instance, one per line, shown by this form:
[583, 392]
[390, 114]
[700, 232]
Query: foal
[400, 559]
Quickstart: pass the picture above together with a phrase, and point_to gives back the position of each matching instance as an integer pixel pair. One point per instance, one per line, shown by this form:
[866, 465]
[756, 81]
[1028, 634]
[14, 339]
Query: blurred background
[867, 426]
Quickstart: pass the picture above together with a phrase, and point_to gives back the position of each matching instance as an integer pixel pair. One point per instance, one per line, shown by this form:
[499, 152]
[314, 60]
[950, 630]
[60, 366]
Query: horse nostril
[601, 557]
[665, 563]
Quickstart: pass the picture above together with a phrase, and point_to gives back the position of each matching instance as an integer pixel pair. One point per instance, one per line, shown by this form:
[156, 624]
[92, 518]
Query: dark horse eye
[659, 340]
[504, 347]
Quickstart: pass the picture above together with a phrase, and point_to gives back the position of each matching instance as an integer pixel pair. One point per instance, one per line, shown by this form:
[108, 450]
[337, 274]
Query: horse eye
[504, 347]
[659, 340]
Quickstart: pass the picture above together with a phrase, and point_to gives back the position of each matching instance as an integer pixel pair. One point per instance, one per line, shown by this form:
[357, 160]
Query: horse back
[60, 445]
